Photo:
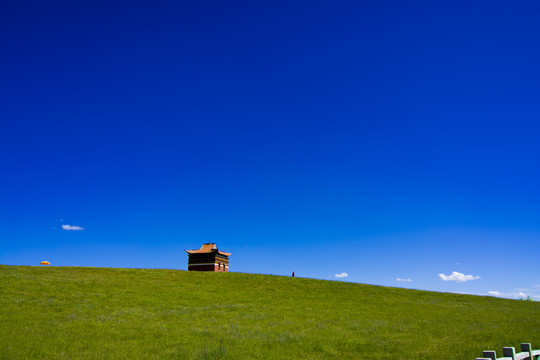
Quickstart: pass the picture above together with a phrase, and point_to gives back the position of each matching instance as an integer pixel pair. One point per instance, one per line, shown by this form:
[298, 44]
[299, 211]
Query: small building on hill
[208, 258]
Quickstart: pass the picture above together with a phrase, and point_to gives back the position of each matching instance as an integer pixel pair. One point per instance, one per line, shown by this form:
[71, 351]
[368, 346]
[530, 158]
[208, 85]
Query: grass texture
[105, 313]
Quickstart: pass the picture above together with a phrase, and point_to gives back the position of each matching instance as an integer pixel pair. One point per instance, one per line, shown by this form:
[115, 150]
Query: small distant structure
[208, 258]
[45, 263]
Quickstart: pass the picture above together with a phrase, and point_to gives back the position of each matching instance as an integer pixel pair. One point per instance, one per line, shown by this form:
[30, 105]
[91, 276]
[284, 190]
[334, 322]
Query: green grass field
[104, 313]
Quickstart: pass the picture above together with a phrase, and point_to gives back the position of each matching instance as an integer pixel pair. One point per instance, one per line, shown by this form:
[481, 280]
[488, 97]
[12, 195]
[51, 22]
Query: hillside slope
[104, 313]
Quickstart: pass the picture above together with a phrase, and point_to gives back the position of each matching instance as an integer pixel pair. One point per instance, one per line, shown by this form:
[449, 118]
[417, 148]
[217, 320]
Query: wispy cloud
[514, 295]
[404, 280]
[458, 277]
[342, 275]
[72, 227]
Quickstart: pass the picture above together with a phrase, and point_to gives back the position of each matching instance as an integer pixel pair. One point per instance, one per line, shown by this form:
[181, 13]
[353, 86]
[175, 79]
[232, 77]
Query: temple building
[208, 258]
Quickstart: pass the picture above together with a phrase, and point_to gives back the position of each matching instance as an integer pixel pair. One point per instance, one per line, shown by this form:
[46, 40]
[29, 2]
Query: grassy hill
[102, 313]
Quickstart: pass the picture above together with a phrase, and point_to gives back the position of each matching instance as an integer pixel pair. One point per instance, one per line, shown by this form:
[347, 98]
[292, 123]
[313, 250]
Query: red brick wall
[214, 267]
[202, 268]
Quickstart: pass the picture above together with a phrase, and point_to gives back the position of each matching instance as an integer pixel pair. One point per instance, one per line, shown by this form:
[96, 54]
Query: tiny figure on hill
[293, 274]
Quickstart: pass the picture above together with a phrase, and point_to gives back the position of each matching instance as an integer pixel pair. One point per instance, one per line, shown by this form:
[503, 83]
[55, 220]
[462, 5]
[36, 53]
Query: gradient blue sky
[382, 139]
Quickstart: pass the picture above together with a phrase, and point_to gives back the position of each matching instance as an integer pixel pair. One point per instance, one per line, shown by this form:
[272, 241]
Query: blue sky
[384, 140]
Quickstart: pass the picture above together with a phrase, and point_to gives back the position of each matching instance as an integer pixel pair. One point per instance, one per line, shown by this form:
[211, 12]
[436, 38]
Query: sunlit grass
[102, 313]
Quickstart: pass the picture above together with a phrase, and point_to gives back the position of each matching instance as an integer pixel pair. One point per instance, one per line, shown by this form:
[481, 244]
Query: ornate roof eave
[208, 249]
[208, 252]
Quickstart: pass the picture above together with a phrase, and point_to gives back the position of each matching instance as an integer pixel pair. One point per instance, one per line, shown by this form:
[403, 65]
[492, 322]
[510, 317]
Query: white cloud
[72, 227]
[458, 277]
[462, 293]
[405, 280]
[513, 295]
[342, 275]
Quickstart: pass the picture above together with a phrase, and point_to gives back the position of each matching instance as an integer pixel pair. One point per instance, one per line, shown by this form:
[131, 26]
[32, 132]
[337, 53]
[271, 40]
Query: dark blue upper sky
[382, 139]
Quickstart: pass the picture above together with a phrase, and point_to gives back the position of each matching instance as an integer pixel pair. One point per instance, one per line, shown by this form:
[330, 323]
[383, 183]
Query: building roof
[208, 248]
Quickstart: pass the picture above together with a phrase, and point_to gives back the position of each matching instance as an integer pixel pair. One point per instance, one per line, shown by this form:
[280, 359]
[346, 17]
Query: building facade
[208, 258]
